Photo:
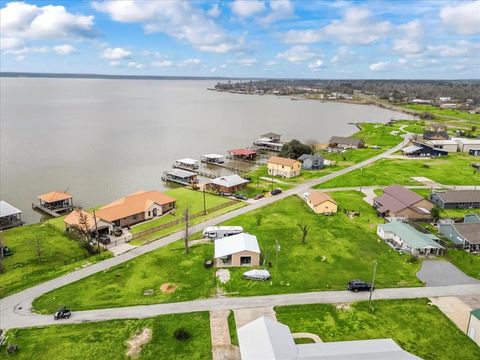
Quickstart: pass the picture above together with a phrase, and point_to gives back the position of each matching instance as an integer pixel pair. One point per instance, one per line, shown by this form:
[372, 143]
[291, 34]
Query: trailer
[217, 232]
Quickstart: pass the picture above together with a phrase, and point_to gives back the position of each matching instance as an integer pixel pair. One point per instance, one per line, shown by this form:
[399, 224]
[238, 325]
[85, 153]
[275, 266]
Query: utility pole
[185, 214]
[277, 249]
[372, 286]
[96, 231]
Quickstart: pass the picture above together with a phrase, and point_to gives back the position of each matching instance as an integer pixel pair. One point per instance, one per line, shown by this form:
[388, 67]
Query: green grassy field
[59, 255]
[467, 262]
[445, 112]
[125, 284]
[337, 249]
[452, 170]
[413, 324]
[107, 339]
[232, 328]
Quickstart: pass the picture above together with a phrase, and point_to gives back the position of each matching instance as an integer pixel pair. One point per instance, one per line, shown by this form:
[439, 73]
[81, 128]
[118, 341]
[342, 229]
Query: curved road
[15, 309]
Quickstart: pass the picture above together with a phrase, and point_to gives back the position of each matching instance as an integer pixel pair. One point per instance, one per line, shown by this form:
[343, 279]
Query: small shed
[237, 250]
[228, 184]
[187, 164]
[56, 200]
[242, 154]
[10, 216]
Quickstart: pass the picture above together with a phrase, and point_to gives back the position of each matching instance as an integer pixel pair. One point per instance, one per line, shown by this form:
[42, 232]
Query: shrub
[182, 334]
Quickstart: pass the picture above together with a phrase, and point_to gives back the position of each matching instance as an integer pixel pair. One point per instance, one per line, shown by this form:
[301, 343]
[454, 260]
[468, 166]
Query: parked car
[62, 313]
[259, 196]
[276, 191]
[105, 240]
[224, 194]
[117, 231]
[5, 251]
[240, 197]
[359, 285]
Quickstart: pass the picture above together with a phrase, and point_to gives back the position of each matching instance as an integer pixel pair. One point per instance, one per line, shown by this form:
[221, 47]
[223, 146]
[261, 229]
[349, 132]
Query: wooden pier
[198, 172]
[52, 212]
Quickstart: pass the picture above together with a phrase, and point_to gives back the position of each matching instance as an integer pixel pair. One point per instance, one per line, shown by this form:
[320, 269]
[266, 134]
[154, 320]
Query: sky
[244, 38]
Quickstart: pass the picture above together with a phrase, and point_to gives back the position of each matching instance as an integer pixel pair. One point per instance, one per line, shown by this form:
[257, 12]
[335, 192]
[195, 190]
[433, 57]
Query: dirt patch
[168, 288]
[342, 306]
[135, 343]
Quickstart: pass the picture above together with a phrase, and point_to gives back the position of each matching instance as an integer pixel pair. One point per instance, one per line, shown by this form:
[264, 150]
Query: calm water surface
[102, 139]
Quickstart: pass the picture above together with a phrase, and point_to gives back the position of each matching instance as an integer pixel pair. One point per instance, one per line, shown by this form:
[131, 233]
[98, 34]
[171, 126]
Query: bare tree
[83, 227]
[186, 217]
[305, 229]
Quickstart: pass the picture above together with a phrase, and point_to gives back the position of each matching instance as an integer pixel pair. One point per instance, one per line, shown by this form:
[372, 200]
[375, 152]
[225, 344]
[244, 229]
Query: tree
[435, 213]
[37, 246]
[312, 143]
[258, 218]
[305, 229]
[294, 149]
[83, 228]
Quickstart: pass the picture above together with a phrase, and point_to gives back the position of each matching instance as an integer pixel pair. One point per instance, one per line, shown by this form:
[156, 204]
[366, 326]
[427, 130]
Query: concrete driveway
[443, 273]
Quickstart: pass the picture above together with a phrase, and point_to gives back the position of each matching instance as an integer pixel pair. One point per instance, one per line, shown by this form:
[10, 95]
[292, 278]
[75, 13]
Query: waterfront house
[449, 145]
[212, 159]
[187, 164]
[272, 137]
[265, 143]
[465, 234]
[267, 339]
[242, 154]
[79, 219]
[284, 167]
[419, 149]
[137, 207]
[404, 237]
[345, 142]
[227, 184]
[312, 162]
[466, 144]
[10, 216]
[180, 176]
[397, 201]
[56, 200]
[473, 327]
[436, 135]
[456, 199]
[237, 250]
[320, 202]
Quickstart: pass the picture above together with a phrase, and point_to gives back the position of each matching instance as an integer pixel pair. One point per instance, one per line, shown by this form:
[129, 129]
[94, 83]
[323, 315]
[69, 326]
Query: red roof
[243, 152]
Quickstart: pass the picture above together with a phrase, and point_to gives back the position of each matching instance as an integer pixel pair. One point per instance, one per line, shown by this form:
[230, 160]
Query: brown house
[137, 207]
[397, 201]
[320, 202]
[237, 250]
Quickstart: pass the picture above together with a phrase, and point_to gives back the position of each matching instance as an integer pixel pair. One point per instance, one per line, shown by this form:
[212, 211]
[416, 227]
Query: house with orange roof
[137, 207]
[320, 202]
[81, 219]
[284, 167]
[56, 200]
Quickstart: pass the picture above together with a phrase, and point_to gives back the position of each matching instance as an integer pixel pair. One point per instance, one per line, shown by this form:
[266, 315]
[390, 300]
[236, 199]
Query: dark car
[104, 239]
[5, 251]
[359, 285]
[117, 231]
[276, 191]
[259, 196]
[62, 313]
[240, 197]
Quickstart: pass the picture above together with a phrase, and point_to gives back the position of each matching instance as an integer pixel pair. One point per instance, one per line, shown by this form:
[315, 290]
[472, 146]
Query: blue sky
[244, 38]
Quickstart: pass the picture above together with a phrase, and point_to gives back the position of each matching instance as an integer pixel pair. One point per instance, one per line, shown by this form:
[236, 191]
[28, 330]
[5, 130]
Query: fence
[181, 220]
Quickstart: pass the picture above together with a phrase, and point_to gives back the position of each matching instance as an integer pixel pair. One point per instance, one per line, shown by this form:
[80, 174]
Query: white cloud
[462, 18]
[343, 55]
[247, 8]
[135, 65]
[413, 29]
[22, 53]
[181, 20]
[459, 48]
[162, 63]
[213, 70]
[297, 54]
[25, 21]
[115, 63]
[407, 46]
[380, 66]
[279, 10]
[315, 65]
[358, 27]
[214, 11]
[189, 62]
[116, 54]
[411, 42]
[271, 63]
[303, 36]
[64, 49]
[247, 62]
[9, 43]
[223, 66]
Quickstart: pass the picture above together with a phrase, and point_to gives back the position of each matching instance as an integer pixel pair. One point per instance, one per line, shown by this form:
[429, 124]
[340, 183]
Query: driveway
[443, 273]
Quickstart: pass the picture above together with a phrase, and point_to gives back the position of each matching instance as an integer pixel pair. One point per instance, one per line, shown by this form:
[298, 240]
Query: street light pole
[276, 258]
[372, 286]
[96, 231]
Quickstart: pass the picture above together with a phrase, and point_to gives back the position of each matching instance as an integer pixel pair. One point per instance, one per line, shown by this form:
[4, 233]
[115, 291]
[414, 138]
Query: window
[245, 260]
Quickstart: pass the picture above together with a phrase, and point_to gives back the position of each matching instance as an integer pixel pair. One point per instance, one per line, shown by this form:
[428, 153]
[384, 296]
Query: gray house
[466, 234]
[456, 199]
[312, 162]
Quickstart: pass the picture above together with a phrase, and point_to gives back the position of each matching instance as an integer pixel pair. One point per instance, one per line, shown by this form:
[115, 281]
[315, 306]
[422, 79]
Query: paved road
[24, 298]
[21, 318]
[443, 273]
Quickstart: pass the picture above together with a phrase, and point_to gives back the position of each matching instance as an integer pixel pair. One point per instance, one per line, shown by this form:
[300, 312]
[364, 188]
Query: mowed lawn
[108, 339]
[417, 327]
[454, 169]
[59, 254]
[337, 249]
[469, 263]
[138, 281]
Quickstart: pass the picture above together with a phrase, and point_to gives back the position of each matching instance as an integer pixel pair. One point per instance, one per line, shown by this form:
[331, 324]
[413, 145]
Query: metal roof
[188, 161]
[6, 209]
[459, 196]
[345, 140]
[476, 313]
[469, 231]
[181, 173]
[411, 236]
[229, 181]
[236, 243]
[213, 156]
[411, 149]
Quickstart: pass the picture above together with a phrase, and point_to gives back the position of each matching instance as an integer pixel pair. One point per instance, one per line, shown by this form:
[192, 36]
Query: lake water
[103, 139]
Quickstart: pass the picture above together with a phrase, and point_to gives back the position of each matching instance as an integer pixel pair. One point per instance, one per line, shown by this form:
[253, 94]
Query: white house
[237, 250]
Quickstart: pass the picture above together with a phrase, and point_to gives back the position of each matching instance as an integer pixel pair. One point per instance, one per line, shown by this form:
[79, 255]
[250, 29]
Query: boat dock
[57, 212]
